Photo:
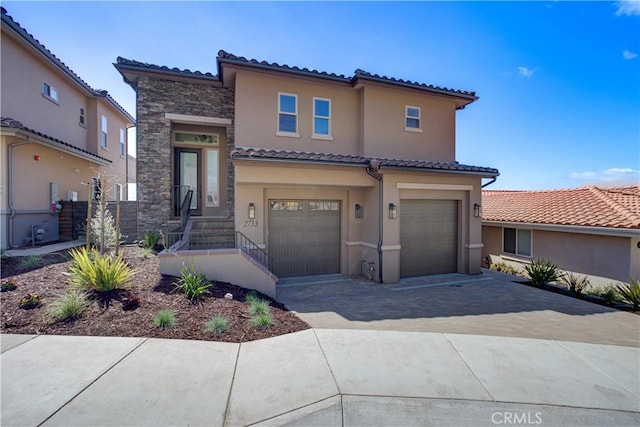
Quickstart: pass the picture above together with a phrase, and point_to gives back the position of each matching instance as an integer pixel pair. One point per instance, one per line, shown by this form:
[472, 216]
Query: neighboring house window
[103, 134]
[517, 241]
[117, 191]
[122, 143]
[321, 117]
[412, 118]
[50, 92]
[82, 119]
[96, 189]
[287, 114]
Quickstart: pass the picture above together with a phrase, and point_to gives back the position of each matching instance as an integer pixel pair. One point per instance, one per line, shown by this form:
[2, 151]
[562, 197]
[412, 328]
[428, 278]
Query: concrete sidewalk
[317, 377]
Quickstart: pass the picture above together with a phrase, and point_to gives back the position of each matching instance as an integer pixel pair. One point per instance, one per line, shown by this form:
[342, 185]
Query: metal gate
[304, 237]
[428, 237]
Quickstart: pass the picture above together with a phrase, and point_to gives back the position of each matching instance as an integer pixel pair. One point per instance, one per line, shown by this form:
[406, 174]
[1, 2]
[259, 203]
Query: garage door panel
[428, 237]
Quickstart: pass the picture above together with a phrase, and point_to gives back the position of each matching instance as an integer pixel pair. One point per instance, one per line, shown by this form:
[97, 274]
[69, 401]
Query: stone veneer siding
[155, 97]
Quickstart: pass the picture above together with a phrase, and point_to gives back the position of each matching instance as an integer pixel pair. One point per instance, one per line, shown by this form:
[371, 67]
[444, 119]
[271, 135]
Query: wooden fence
[72, 219]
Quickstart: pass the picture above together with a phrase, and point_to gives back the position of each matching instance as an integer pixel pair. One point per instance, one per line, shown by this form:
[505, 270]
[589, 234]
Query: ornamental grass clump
[575, 283]
[31, 261]
[218, 325]
[68, 306]
[101, 273]
[262, 321]
[192, 284]
[165, 319]
[630, 293]
[259, 307]
[541, 272]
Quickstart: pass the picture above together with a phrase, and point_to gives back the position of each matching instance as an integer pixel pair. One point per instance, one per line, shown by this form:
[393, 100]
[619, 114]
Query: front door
[187, 177]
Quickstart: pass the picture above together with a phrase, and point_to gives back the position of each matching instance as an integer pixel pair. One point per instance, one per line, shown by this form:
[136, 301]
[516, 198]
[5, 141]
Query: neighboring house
[56, 134]
[590, 230]
[329, 174]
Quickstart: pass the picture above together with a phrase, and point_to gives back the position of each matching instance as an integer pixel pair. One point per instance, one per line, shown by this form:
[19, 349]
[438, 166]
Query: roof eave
[566, 228]
[484, 174]
[305, 161]
[240, 63]
[140, 70]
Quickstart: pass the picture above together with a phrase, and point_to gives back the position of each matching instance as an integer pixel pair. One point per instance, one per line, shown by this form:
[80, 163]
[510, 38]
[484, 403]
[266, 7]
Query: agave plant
[630, 293]
[541, 272]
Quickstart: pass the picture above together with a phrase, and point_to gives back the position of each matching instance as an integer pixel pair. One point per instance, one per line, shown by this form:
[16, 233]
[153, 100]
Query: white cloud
[627, 54]
[628, 7]
[526, 72]
[626, 175]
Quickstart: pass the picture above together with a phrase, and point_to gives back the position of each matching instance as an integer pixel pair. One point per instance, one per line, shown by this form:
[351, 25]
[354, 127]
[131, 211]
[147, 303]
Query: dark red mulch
[108, 316]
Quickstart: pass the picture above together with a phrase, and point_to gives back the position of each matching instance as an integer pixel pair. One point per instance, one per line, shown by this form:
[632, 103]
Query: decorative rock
[228, 296]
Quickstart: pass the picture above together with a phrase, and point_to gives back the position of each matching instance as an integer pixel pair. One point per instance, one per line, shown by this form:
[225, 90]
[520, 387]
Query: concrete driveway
[487, 304]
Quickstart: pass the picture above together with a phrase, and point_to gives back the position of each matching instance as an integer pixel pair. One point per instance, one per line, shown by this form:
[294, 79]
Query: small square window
[412, 117]
[287, 113]
[50, 92]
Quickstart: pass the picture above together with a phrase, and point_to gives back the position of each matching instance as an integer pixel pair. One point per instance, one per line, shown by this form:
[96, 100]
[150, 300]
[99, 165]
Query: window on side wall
[412, 119]
[50, 92]
[287, 114]
[83, 122]
[103, 134]
[517, 241]
[321, 118]
[96, 189]
[118, 193]
[123, 146]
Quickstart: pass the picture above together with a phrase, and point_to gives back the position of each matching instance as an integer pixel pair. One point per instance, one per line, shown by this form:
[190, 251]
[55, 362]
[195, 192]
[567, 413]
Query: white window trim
[123, 143]
[316, 135]
[407, 116]
[295, 134]
[104, 120]
[516, 247]
[56, 99]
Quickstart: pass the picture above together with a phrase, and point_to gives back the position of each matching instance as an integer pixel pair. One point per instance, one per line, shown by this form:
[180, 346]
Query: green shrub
[252, 296]
[193, 284]
[102, 273]
[575, 283]
[8, 285]
[608, 293]
[31, 261]
[68, 306]
[165, 318]
[150, 240]
[262, 321]
[630, 293]
[505, 268]
[30, 301]
[258, 307]
[541, 272]
[218, 325]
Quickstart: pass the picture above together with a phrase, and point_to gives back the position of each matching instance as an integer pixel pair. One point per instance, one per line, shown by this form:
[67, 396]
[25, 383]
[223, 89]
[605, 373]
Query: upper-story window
[412, 118]
[122, 143]
[321, 117]
[287, 114]
[103, 134]
[83, 122]
[50, 92]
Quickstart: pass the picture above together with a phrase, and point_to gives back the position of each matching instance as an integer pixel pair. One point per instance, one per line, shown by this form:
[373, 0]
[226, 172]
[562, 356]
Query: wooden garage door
[304, 237]
[429, 237]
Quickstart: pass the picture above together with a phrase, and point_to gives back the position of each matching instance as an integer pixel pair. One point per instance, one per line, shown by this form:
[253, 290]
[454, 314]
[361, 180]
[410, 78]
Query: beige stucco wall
[606, 256]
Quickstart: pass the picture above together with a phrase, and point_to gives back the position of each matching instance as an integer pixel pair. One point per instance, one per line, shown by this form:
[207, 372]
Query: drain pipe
[12, 208]
[490, 182]
[376, 164]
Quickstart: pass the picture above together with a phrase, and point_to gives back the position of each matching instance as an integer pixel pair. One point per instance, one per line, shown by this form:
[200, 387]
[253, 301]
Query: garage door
[428, 237]
[304, 237]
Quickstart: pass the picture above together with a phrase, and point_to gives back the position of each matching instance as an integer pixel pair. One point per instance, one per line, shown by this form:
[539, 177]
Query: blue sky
[559, 82]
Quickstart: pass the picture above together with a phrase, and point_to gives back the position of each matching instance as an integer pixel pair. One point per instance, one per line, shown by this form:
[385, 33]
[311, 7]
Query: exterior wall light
[477, 210]
[393, 211]
[252, 211]
[358, 210]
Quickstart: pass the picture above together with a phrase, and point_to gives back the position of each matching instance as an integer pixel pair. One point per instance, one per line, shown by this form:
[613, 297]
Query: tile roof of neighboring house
[325, 158]
[124, 62]
[358, 74]
[7, 122]
[17, 28]
[588, 206]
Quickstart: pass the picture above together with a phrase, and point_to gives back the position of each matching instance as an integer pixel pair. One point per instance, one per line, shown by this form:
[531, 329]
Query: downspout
[490, 182]
[376, 164]
[10, 186]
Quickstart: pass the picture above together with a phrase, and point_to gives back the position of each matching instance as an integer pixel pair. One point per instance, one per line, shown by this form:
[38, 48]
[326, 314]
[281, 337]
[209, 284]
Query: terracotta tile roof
[7, 122]
[19, 30]
[588, 206]
[326, 158]
[226, 57]
[120, 61]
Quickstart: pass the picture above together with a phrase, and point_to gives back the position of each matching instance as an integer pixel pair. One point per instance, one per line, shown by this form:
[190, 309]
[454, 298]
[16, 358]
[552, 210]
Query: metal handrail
[185, 208]
[245, 244]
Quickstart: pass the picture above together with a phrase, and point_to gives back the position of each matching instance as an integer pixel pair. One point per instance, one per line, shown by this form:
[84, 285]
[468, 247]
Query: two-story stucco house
[327, 173]
[56, 135]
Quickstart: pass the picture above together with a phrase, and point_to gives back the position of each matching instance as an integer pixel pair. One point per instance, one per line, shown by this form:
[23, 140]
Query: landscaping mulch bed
[107, 317]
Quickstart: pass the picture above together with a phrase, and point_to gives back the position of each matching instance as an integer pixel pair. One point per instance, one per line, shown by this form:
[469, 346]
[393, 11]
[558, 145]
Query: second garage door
[428, 237]
[304, 237]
